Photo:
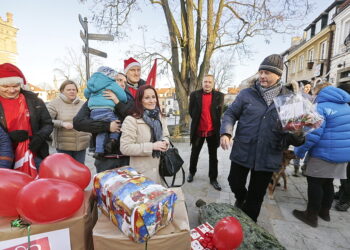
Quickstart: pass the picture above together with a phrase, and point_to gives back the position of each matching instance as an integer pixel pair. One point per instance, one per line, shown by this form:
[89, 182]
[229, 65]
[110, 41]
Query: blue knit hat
[111, 73]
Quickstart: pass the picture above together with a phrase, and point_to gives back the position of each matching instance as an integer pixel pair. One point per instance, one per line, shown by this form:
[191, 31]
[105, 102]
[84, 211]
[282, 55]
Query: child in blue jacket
[102, 108]
[6, 153]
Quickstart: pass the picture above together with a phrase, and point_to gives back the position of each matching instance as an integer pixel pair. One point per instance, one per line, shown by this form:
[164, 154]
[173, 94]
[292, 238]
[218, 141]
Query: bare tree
[221, 68]
[198, 29]
[72, 67]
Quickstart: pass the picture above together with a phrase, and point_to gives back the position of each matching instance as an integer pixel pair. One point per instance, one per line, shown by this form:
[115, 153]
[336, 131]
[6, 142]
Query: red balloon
[49, 200]
[11, 181]
[228, 234]
[65, 167]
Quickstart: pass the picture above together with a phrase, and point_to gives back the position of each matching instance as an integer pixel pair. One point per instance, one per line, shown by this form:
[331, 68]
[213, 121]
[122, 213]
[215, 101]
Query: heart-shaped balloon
[65, 167]
[228, 234]
[11, 181]
[49, 200]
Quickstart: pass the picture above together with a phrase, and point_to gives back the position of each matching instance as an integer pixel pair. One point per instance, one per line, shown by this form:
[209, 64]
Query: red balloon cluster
[65, 167]
[228, 234]
[57, 195]
[49, 200]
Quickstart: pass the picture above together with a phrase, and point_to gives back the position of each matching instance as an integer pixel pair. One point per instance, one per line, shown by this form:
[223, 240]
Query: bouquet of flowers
[297, 114]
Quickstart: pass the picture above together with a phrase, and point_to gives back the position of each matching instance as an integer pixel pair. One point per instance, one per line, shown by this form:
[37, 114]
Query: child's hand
[108, 94]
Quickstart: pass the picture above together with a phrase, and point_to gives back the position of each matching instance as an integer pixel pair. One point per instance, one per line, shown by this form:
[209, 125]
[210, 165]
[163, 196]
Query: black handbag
[170, 163]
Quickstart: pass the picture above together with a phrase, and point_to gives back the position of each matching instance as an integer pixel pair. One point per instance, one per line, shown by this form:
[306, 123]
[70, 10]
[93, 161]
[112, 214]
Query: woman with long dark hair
[145, 134]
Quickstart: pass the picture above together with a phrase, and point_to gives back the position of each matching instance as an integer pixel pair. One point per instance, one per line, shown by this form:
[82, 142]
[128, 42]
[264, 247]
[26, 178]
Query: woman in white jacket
[145, 134]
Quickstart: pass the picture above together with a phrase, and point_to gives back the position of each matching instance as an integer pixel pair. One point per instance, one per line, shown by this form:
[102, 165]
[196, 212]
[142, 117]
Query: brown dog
[287, 156]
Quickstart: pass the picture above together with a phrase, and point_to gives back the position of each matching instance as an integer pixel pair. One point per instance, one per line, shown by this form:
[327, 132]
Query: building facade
[8, 44]
[340, 61]
[310, 59]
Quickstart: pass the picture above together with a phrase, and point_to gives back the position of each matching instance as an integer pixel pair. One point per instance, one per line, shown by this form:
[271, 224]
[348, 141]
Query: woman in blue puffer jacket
[329, 151]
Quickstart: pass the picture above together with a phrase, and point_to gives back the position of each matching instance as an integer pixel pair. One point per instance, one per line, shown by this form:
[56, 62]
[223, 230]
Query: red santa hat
[131, 62]
[9, 73]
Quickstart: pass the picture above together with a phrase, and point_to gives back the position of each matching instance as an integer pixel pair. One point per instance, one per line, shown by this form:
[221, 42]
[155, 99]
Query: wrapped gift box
[134, 203]
[80, 226]
[176, 235]
[198, 234]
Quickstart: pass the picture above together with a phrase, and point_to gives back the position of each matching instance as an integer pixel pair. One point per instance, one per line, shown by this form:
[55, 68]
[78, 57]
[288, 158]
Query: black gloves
[18, 135]
[35, 143]
[296, 139]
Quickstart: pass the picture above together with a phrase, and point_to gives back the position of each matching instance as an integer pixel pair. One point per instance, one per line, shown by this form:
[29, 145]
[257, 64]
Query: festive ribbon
[207, 241]
[22, 224]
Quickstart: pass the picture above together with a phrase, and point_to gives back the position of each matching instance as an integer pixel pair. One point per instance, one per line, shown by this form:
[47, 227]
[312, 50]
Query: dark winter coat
[40, 120]
[195, 110]
[6, 153]
[259, 140]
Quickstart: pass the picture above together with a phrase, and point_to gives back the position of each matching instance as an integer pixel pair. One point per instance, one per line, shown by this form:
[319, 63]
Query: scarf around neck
[270, 93]
[151, 118]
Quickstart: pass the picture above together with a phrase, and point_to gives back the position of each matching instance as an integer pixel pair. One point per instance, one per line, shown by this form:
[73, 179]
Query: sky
[47, 29]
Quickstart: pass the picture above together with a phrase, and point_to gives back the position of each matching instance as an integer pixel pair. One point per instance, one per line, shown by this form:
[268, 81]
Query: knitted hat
[9, 73]
[272, 63]
[111, 73]
[130, 63]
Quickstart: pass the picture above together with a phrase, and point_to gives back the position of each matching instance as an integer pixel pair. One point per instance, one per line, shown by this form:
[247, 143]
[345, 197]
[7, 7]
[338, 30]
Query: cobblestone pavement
[276, 215]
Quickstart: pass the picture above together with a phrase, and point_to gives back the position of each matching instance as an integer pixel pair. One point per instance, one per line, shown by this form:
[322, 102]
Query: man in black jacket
[83, 122]
[205, 109]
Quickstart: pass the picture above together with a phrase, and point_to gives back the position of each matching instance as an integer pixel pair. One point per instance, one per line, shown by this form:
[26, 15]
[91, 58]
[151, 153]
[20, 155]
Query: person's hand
[67, 125]
[114, 126]
[160, 146]
[18, 135]
[225, 142]
[108, 94]
[35, 143]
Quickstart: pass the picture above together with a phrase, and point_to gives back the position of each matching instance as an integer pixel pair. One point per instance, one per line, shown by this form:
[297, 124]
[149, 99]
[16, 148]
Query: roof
[325, 12]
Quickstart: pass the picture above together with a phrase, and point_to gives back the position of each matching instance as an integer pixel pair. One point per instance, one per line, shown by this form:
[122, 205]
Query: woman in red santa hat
[25, 117]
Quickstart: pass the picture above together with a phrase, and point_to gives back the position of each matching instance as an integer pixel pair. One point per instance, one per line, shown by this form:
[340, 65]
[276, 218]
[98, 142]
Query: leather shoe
[216, 185]
[189, 178]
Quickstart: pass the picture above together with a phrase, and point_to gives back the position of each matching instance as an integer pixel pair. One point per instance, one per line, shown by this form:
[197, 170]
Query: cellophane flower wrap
[134, 203]
[297, 113]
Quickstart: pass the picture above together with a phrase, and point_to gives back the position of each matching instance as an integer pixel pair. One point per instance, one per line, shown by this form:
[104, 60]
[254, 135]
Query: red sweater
[206, 127]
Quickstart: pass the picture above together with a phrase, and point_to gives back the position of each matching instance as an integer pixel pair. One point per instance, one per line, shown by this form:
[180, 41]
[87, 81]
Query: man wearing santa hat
[25, 118]
[132, 70]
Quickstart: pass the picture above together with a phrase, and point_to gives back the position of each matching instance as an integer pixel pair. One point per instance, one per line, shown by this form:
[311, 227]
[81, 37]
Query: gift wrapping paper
[134, 203]
[200, 235]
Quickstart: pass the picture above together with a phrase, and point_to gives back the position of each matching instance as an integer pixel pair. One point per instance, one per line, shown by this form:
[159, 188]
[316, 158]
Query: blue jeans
[77, 155]
[104, 114]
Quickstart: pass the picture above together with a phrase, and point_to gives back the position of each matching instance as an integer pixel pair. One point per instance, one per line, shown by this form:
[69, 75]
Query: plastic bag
[297, 114]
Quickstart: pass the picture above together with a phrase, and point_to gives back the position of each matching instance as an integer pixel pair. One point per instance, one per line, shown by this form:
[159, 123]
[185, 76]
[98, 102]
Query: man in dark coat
[83, 122]
[205, 109]
[259, 140]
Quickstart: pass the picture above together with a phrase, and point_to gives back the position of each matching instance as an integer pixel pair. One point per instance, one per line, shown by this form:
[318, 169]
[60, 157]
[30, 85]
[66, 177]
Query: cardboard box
[80, 226]
[134, 203]
[198, 234]
[175, 236]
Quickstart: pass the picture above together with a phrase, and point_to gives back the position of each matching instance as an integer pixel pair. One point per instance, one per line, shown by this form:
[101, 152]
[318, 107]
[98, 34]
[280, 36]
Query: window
[169, 102]
[301, 62]
[310, 55]
[293, 66]
[163, 102]
[323, 50]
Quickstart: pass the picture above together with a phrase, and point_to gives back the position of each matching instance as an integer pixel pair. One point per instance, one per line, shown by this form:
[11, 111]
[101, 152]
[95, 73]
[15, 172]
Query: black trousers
[344, 189]
[213, 158]
[320, 192]
[252, 198]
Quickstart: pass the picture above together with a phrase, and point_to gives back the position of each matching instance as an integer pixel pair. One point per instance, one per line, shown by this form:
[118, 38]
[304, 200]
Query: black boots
[324, 214]
[309, 217]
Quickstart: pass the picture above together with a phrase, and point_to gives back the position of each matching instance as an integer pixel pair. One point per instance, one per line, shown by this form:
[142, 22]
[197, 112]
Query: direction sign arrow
[97, 52]
[105, 37]
[83, 23]
[83, 37]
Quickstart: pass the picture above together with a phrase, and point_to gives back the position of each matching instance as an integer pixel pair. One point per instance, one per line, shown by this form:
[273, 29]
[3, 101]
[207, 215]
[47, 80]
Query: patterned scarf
[151, 118]
[270, 92]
